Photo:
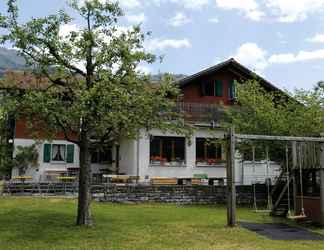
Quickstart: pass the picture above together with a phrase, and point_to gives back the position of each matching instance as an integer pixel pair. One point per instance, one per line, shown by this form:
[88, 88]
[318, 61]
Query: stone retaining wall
[181, 194]
[136, 193]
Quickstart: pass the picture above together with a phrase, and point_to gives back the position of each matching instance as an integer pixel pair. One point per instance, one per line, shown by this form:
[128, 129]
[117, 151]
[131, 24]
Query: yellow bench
[121, 178]
[66, 178]
[22, 178]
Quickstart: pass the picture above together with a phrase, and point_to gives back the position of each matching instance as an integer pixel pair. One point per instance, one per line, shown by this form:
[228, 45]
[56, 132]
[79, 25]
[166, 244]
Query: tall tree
[259, 111]
[87, 83]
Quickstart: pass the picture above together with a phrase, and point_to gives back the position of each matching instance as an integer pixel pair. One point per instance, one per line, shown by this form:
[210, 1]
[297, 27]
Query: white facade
[44, 170]
[134, 159]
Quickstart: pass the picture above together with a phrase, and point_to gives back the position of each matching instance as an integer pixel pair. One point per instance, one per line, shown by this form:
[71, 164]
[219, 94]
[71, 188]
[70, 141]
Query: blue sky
[283, 40]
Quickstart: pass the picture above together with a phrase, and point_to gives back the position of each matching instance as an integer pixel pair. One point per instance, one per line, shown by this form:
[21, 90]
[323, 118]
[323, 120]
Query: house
[158, 154]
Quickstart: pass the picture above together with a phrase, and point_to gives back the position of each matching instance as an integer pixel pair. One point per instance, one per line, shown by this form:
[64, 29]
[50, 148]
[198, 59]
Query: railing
[201, 112]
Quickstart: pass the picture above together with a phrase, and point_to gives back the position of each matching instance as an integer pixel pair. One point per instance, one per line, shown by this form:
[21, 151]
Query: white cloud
[299, 57]
[179, 19]
[66, 29]
[143, 69]
[252, 55]
[318, 38]
[162, 44]
[187, 4]
[140, 18]
[130, 4]
[191, 4]
[250, 8]
[294, 10]
[213, 20]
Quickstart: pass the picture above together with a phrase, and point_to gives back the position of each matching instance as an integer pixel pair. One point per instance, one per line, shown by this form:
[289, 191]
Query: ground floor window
[167, 151]
[103, 156]
[58, 152]
[208, 152]
[61, 153]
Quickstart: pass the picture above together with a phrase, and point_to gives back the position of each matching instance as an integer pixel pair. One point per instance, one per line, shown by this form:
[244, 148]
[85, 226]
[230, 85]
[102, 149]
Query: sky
[282, 40]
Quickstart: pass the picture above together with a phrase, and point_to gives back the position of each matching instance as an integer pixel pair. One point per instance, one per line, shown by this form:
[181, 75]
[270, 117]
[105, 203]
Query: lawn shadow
[47, 226]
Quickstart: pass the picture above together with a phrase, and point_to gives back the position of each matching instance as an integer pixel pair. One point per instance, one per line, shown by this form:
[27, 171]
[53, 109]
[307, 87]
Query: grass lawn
[40, 223]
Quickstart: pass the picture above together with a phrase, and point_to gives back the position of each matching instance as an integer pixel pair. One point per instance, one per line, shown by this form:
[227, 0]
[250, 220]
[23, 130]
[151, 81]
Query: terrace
[201, 112]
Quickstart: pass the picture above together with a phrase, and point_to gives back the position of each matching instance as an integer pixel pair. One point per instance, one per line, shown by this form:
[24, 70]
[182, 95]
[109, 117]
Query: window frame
[99, 154]
[208, 85]
[161, 160]
[65, 153]
[206, 161]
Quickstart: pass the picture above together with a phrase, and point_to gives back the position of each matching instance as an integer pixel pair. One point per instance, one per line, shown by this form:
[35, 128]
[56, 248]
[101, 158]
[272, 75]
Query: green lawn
[39, 223]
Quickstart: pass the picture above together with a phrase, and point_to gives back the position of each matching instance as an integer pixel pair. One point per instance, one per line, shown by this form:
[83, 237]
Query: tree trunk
[84, 200]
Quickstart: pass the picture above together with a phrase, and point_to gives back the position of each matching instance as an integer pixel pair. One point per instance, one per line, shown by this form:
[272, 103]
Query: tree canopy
[87, 81]
[260, 111]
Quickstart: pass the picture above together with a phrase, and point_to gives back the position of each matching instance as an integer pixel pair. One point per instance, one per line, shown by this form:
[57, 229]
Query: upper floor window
[208, 89]
[231, 90]
[212, 88]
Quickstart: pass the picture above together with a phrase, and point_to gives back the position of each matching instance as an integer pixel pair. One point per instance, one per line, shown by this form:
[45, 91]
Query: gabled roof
[230, 63]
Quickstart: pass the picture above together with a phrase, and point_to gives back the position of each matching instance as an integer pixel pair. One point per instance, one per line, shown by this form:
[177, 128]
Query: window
[167, 150]
[208, 152]
[231, 90]
[58, 152]
[101, 156]
[259, 153]
[212, 88]
[208, 88]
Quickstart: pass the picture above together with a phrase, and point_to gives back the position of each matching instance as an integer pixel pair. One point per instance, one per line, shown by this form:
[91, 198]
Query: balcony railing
[201, 112]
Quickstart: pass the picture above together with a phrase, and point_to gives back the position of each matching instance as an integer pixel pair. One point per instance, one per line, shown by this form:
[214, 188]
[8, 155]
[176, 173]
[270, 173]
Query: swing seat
[296, 217]
[261, 211]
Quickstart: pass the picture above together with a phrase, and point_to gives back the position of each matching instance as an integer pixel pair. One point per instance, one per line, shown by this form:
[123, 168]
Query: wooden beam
[322, 184]
[278, 138]
[294, 167]
[231, 190]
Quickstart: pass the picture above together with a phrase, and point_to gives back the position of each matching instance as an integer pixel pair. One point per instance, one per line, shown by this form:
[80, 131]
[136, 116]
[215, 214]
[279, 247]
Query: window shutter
[231, 90]
[70, 153]
[47, 153]
[218, 88]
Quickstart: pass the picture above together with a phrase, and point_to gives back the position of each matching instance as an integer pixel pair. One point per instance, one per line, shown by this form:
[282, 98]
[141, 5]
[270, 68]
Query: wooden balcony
[201, 112]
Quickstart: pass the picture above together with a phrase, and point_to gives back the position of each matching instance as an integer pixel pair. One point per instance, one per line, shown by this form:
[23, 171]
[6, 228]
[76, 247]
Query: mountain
[10, 60]
[158, 77]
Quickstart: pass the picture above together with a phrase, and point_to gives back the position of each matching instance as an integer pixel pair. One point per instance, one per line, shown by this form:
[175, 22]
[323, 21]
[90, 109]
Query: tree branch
[53, 52]
[61, 125]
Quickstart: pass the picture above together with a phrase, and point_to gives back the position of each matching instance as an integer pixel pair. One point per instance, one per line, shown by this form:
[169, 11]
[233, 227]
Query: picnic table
[121, 178]
[66, 178]
[22, 178]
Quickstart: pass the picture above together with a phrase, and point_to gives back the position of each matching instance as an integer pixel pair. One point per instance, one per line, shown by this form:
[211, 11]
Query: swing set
[267, 182]
[300, 161]
[268, 185]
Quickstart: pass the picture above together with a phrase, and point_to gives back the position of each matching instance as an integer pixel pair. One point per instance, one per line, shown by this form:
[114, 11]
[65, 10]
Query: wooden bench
[195, 181]
[121, 178]
[189, 181]
[164, 181]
